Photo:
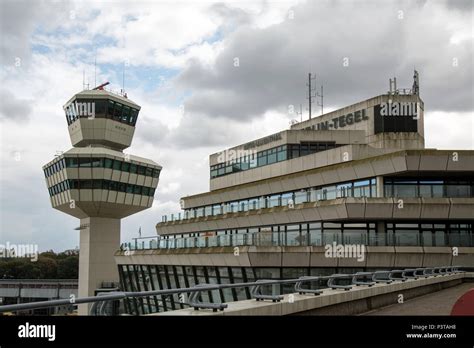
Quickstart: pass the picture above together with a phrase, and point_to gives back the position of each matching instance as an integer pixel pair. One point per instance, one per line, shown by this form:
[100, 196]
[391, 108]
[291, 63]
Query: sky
[208, 76]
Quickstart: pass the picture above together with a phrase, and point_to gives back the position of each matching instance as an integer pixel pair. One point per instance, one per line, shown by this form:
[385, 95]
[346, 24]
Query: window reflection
[101, 108]
[270, 156]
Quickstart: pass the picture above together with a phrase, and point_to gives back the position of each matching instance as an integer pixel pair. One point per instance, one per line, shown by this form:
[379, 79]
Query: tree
[68, 268]
[49, 265]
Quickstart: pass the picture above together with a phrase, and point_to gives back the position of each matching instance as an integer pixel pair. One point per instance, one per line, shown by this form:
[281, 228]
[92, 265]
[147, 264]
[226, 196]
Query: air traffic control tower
[99, 184]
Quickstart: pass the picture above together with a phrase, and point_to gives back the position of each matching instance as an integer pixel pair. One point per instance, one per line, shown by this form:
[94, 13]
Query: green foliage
[49, 265]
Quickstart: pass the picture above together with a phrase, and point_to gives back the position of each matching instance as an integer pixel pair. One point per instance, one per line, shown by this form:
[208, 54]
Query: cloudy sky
[210, 75]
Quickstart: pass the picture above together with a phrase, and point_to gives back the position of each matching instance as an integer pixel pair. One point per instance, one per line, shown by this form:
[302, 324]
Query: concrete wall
[313, 256]
[368, 105]
[98, 242]
[107, 132]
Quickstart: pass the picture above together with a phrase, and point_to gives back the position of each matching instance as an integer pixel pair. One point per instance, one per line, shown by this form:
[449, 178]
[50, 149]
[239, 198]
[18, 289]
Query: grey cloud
[197, 130]
[14, 109]
[194, 131]
[461, 5]
[19, 19]
[274, 62]
[151, 131]
[234, 17]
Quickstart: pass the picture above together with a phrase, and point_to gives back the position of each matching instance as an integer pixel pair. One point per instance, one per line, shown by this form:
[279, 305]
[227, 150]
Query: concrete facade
[362, 177]
[384, 257]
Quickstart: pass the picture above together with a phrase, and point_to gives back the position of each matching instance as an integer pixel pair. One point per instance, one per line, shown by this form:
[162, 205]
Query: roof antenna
[83, 79]
[310, 93]
[123, 80]
[301, 112]
[95, 68]
[320, 102]
[416, 83]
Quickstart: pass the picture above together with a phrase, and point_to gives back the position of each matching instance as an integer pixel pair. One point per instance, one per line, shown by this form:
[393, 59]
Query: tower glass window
[84, 162]
[110, 109]
[126, 114]
[117, 111]
[100, 106]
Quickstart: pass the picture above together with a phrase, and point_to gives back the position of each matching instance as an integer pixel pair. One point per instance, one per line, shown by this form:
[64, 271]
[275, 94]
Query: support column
[380, 188]
[99, 241]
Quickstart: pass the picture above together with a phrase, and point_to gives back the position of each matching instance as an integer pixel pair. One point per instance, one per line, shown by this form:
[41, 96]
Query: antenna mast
[310, 93]
[123, 80]
[321, 98]
[416, 83]
[95, 68]
[300, 113]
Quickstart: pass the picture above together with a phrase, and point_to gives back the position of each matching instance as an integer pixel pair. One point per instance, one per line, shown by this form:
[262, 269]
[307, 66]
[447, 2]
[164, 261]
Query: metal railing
[282, 238]
[101, 303]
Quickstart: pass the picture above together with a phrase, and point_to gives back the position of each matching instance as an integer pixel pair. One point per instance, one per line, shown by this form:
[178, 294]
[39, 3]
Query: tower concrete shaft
[99, 240]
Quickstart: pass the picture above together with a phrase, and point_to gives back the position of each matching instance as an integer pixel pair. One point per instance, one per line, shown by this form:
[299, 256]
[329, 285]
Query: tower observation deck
[99, 184]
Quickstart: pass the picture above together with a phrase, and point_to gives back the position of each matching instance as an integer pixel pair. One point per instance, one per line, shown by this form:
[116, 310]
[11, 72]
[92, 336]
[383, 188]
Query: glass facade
[101, 162]
[156, 277]
[102, 108]
[430, 234]
[393, 187]
[270, 156]
[100, 185]
[429, 188]
[360, 188]
[322, 233]
[160, 277]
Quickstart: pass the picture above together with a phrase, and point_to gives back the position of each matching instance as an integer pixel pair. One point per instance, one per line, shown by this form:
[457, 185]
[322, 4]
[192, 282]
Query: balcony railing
[360, 188]
[288, 238]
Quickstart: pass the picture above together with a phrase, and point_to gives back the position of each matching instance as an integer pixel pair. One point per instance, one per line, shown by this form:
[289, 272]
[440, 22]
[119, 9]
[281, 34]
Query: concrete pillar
[382, 237]
[99, 241]
[379, 182]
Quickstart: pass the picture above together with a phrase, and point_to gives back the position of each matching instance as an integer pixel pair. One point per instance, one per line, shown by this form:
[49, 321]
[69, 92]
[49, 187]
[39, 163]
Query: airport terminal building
[357, 176]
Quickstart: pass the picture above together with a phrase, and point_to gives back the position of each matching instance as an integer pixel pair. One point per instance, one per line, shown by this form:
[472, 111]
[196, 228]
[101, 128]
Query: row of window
[360, 188]
[101, 108]
[393, 187]
[99, 162]
[161, 277]
[446, 187]
[270, 156]
[100, 185]
[320, 234]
